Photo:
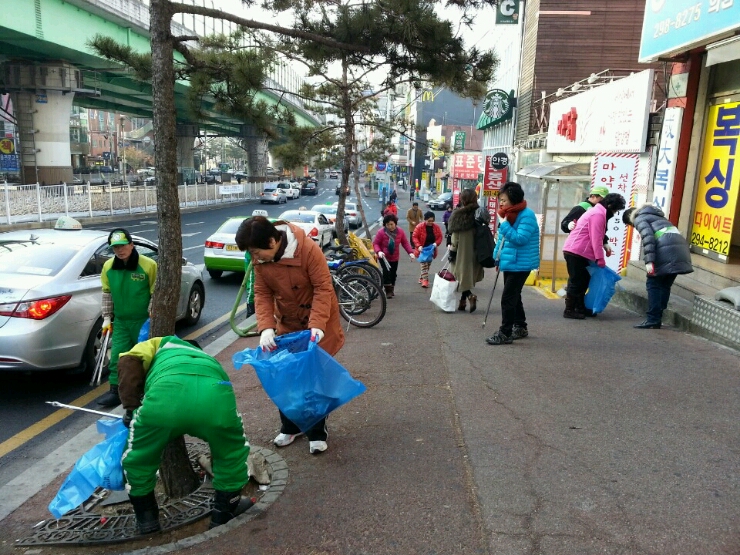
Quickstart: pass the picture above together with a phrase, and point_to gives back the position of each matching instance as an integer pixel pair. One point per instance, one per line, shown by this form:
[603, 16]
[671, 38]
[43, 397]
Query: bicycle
[362, 302]
[361, 266]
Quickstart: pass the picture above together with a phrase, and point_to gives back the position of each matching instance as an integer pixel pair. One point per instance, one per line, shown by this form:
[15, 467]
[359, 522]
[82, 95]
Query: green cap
[600, 191]
[119, 237]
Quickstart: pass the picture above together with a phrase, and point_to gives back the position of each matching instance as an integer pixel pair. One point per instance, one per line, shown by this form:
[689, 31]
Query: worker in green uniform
[169, 387]
[128, 283]
[250, 283]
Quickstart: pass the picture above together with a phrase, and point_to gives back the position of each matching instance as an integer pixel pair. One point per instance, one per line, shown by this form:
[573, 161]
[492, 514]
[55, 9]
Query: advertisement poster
[666, 164]
[716, 194]
[617, 172]
[493, 180]
[467, 165]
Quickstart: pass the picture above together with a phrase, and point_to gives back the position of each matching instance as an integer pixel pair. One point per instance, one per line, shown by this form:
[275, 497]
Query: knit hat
[600, 191]
[428, 214]
[119, 237]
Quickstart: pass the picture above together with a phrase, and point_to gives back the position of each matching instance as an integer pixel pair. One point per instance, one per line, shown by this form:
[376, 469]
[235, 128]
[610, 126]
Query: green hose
[246, 331]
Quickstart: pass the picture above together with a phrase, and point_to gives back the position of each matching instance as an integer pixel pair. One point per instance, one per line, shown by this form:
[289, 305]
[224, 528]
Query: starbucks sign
[497, 108]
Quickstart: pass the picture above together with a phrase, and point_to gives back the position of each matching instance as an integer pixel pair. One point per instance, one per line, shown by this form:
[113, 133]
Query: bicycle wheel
[362, 269]
[361, 301]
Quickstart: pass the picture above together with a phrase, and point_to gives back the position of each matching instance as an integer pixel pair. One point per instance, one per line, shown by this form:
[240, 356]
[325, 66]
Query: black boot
[110, 399]
[147, 513]
[571, 310]
[227, 505]
[250, 309]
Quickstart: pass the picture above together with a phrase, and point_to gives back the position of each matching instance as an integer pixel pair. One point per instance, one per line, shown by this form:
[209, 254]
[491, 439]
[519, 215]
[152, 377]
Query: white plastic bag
[443, 293]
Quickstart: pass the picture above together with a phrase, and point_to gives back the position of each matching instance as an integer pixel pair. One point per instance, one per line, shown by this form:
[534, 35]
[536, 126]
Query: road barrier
[29, 203]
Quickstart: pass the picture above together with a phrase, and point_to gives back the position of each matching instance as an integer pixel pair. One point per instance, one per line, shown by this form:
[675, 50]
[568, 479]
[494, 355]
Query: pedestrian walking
[595, 195]
[414, 218]
[412, 194]
[518, 253]
[170, 387]
[390, 208]
[463, 262]
[394, 196]
[292, 292]
[666, 254]
[127, 280]
[387, 244]
[445, 220]
[426, 233]
[584, 245]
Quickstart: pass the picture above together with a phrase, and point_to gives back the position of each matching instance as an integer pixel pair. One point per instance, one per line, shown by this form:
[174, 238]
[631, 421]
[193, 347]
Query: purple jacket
[380, 244]
[587, 237]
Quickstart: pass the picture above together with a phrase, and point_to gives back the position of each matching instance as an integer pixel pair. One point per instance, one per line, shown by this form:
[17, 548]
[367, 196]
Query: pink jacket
[587, 237]
[381, 241]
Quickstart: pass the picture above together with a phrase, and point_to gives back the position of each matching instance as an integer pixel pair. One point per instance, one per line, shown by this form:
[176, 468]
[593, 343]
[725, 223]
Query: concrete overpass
[48, 66]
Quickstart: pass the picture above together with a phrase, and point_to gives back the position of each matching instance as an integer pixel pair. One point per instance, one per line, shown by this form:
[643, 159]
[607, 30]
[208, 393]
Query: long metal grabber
[72, 407]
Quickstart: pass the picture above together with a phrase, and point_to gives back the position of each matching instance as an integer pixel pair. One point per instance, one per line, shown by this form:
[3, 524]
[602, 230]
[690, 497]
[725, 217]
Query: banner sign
[618, 173]
[717, 192]
[9, 163]
[459, 141]
[230, 189]
[610, 118]
[667, 154]
[467, 165]
[673, 26]
[493, 181]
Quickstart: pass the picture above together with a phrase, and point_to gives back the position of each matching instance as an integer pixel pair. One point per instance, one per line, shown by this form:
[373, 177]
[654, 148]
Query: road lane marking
[195, 247]
[45, 423]
[191, 234]
[215, 323]
[196, 223]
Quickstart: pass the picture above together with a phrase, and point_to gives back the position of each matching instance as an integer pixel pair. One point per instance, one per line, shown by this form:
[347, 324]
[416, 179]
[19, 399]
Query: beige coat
[296, 293]
[466, 269]
[414, 218]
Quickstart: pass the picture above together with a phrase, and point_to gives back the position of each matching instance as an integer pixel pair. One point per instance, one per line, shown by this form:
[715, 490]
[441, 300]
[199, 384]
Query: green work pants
[125, 336]
[198, 405]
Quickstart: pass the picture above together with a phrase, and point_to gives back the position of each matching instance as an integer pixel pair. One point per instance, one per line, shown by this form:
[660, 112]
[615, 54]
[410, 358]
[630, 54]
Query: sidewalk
[586, 437]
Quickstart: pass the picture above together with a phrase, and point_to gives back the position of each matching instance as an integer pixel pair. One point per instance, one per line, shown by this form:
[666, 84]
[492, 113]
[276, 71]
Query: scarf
[391, 241]
[512, 211]
[131, 264]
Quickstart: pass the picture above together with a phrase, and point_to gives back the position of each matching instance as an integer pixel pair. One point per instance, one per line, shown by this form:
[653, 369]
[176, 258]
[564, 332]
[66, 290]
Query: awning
[723, 51]
[560, 171]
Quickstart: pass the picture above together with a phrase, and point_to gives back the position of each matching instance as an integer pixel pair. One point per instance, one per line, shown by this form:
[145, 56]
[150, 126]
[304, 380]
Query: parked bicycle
[362, 301]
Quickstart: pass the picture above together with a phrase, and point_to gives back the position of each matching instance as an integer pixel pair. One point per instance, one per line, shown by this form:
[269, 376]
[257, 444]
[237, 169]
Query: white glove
[381, 254]
[571, 225]
[411, 256]
[650, 267]
[317, 335]
[267, 340]
[107, 325]
[608, 250]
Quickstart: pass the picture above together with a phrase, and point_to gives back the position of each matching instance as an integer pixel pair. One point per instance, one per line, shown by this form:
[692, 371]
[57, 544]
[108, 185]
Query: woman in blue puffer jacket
[518, 253]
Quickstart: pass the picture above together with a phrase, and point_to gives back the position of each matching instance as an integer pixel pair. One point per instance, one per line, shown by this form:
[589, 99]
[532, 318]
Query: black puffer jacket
[662, 244]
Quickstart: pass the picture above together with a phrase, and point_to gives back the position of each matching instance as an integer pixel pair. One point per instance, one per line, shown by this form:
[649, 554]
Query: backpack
[484, 245]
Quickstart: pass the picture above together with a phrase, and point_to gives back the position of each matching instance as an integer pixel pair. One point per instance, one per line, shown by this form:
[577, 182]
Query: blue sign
[9, 162]
[380, 166]
[672, 26]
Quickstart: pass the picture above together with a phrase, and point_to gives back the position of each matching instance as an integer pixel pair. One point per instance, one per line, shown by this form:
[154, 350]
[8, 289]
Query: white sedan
[291, 190]
[315, 224]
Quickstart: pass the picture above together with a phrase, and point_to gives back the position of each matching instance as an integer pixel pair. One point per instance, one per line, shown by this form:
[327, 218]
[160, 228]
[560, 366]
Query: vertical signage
[665, 168]
[507, 12]
[459, 141]
[716, 197]
[493, 180]
[618, 173]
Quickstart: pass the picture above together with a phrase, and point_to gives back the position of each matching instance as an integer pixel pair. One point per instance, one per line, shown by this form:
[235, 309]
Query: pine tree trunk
[176, 472]
[349, 135]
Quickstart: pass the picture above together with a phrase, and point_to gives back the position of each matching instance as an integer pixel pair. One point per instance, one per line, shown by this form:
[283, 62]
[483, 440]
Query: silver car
[50, 297]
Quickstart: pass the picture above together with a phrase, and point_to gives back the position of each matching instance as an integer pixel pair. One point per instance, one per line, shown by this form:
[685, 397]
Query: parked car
[221, 253]
[239, 175]
[351, 214]
[333, 175]
[50, 301]
[271, 193]
[309, 187]
[441, 202]
[330, 211]
[292, 190]
[315, 224]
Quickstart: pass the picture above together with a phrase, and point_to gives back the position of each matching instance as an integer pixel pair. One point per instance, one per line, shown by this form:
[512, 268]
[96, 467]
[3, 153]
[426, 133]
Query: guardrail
[38, 203]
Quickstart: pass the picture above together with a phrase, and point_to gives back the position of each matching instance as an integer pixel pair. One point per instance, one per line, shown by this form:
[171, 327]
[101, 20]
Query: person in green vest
[128, 283]
[170, 387]
[594, 197]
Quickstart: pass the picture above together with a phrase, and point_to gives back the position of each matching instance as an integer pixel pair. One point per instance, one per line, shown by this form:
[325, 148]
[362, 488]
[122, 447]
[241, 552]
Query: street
[23, 396]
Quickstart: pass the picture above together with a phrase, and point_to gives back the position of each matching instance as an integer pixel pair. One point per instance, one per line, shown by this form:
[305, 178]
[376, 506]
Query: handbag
[301, 378]
[443, 290]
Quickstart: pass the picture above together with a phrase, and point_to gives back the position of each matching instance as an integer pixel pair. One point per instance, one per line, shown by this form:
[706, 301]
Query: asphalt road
[33, 425]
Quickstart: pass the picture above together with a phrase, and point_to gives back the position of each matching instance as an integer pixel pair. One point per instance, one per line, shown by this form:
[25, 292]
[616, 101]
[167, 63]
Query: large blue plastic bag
[99, 467]
[144, 331]
[601, 287]
[303, 380]
[426, 254]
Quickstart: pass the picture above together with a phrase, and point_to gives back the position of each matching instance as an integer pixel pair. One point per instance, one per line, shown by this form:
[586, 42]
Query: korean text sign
[492, 184]
[665, 167]
[617, 172]
[719, 180]
[467, 165]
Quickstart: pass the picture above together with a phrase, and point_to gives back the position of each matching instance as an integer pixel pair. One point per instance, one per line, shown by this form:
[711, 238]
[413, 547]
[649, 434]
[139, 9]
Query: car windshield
[302, 217]
[230, 226]
[37, 260]
[331, 210]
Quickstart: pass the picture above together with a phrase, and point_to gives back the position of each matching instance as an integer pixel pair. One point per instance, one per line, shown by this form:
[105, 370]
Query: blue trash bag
[144, 332]
[303, 380]
[99, 467]
[601, 287]
[427, 253]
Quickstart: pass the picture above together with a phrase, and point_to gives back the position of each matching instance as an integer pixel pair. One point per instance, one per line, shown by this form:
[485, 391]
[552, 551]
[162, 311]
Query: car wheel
[196, 300]
[90, 354]
[215, 274]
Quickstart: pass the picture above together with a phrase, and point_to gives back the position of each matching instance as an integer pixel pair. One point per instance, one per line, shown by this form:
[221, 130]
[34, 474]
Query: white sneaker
[283, 440]
[317, 446]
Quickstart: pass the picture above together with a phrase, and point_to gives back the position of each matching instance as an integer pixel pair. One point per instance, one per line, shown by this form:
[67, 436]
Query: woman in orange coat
[425, 234]
[293, 291]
